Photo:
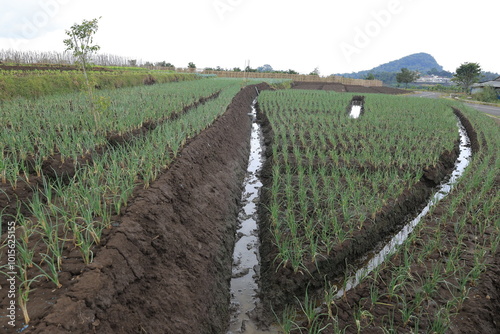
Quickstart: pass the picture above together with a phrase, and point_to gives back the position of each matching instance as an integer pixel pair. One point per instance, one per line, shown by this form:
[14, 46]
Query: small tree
[81, 37]
[467, 74]
[249, 69]
[315, 71]
[164, 64]
[191, 65]
[370, 76]
[406, 76]
[265, 68]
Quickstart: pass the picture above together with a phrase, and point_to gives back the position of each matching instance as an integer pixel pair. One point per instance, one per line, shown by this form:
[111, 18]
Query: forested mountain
[424, 63]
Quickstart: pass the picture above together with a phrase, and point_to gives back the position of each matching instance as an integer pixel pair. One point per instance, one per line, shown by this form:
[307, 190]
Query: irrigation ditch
[193, 252]
[245, 255]
[386, 248]
[356, 107]
[245, 303]
[165, 266]
[280, 286]
[258, 301]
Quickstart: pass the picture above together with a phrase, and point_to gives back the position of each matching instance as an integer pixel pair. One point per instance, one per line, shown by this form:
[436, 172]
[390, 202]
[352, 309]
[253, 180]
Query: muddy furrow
[338, 87]
[479, 310]
[166, 267]
[54, 166]
[280, 285]
[121, 139]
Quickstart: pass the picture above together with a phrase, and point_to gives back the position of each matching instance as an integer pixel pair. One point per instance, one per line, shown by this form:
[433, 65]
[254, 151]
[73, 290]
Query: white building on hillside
[433, 79]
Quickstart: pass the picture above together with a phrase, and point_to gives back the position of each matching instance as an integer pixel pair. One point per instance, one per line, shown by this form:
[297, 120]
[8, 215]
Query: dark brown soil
[12, 200]
[479, 313]
[166, 265]
[360, 89]
[391, 90]
[280, 285]
[338, 87]
[115, 139]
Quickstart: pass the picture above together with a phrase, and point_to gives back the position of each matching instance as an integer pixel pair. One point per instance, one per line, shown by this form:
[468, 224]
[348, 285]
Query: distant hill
[421, 62]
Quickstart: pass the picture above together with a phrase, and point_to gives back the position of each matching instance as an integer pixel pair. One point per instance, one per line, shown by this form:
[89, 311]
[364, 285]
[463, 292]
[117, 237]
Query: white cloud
[285, 34]
[31, 19]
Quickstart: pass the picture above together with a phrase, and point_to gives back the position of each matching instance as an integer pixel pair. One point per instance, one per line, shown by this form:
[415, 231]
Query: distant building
[433, 79]
[478, 87]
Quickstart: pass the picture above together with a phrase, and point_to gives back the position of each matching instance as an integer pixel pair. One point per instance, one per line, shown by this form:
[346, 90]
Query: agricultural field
[123, 208]
[57, 135]
[332, 175]
[36, 80]
[70, 167]
[336, 187]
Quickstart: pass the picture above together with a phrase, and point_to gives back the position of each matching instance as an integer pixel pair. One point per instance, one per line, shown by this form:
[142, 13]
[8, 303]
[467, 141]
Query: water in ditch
[373, 260]
[244, 284]
[356, 106]
[355, 111]
[245, 275]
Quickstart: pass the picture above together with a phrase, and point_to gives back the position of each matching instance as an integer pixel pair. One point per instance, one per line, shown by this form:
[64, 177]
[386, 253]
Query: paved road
[491, 110]
[430, 95]
[494, 111]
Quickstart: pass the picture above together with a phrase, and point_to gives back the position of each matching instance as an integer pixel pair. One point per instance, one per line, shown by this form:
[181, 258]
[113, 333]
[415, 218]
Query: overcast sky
[336, 36]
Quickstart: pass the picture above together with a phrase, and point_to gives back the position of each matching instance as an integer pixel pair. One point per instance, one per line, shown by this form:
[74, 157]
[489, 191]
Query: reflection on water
[375, 259]
[355, 111]
[246, 251]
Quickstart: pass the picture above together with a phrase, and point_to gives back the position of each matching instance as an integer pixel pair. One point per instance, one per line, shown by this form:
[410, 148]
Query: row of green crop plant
[67, 124]
[332, 174]
[427, 281]
[34, 84]
[74, 215]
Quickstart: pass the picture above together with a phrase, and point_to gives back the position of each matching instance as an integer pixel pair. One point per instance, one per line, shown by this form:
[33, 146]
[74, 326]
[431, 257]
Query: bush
[488, 94]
